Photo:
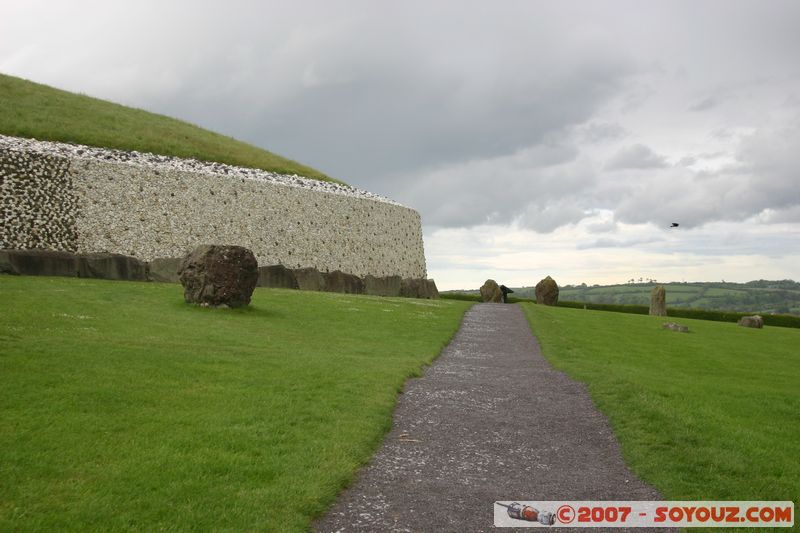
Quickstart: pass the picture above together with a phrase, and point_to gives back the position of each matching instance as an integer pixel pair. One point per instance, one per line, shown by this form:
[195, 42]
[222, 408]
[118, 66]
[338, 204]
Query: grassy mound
[37, 111]
[121, 407]
[709, 415]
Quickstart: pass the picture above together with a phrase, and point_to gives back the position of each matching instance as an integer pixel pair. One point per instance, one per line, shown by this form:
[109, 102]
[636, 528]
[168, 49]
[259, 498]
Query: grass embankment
[121, 407]
[32, 110]
[709, 415]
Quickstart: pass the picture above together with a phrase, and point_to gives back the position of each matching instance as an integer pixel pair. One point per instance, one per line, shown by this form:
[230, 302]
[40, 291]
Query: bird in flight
[674, 225]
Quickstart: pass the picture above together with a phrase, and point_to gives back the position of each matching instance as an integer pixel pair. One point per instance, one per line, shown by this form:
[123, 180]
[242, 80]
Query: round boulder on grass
[547, 291]
[219, 276]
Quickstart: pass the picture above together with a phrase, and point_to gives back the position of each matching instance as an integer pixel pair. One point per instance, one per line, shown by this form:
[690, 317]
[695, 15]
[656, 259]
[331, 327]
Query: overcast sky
[534, 138]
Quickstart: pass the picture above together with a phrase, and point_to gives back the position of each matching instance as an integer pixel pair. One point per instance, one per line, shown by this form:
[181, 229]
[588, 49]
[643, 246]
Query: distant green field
[709, 415]
[123, 408]
[37, 111]
[766, 297]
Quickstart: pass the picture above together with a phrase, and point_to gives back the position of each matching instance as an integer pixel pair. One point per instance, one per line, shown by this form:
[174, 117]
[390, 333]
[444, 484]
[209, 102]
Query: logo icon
[530, 514]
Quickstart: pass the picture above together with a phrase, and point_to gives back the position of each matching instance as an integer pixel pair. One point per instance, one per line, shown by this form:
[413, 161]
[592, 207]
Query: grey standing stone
[111, 266]
[277, 277]
[214, 275]
[658, 301]
[753, 321]
[165, 269]
[419, 288]
[490, 292]
[338, 281]
[39, 263]
[547, 291]
[382, 286]
[309, 279]
[431, 291]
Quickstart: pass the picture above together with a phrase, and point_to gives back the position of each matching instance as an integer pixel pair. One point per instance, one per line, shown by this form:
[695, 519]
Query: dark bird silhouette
[674, 225]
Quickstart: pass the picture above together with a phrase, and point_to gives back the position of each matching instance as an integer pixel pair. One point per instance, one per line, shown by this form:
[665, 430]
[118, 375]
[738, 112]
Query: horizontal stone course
[125, 268]
[75, 198]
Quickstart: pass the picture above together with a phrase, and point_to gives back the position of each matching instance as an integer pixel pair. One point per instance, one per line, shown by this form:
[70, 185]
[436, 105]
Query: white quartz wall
[149, 206]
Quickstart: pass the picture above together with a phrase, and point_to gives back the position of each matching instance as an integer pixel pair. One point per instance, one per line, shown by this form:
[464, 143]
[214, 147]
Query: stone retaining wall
[80, 199]
[121, 267]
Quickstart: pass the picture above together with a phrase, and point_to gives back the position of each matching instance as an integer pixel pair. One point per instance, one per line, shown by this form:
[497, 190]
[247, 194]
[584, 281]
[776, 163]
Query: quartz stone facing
[81, 199]
[38, 203]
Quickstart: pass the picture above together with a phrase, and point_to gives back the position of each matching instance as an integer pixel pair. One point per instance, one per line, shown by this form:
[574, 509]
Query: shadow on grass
[249, 312]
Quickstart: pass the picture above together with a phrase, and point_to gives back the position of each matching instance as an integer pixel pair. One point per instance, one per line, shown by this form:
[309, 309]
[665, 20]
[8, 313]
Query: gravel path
[489, 420]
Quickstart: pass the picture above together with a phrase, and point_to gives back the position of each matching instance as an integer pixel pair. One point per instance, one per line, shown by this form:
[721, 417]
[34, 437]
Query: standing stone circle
[658, 301]
[754, 321]
[547, 291]
[216, 276]
[490, 292]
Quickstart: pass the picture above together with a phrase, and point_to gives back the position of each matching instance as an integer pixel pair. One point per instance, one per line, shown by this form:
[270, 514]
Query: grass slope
[121, 407]
[37, 111]
[709, 415]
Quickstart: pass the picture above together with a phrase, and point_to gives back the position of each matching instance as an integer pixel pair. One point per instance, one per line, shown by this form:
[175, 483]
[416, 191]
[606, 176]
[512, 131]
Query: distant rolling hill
[32, 110]
[762, 296]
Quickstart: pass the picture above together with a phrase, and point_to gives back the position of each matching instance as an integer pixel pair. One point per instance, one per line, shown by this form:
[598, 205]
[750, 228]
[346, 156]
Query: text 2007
[603, 514]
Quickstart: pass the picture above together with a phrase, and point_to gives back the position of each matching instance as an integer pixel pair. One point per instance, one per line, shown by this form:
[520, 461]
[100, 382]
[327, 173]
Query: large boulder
[216, 276]
[658, 301]
[754, 321]
[338, 281]
[547, 291]
[165, 269]
[490, 292]
[111, 266]
[277, 277]
[384, 286]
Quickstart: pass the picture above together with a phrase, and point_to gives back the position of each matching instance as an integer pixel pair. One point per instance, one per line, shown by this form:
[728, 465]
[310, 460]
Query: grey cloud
[521, 188]
[617, 243]
[637, 156]
[598, 132]
[788, 215]
[766, 177]
[705, 104]
[609, 226]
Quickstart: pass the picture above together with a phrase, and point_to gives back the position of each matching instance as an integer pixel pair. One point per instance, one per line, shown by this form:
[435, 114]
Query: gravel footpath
[489, 421]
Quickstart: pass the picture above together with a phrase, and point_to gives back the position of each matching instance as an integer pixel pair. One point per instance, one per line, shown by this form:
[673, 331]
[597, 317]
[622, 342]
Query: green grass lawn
[37, 111]
[710, 415]
[121, 407]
